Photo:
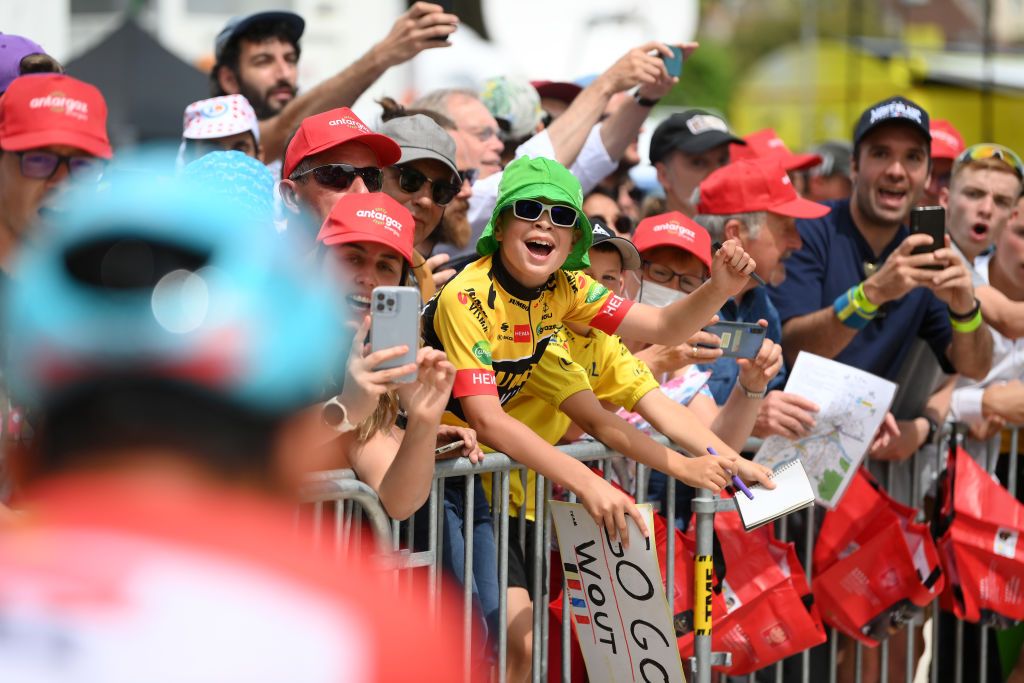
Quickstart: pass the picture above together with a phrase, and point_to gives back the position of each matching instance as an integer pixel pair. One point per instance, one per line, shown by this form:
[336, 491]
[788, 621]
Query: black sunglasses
[411, 180]
[623, 224]
[561, 215]
[469, 175]
[341, 176]
[42, 165]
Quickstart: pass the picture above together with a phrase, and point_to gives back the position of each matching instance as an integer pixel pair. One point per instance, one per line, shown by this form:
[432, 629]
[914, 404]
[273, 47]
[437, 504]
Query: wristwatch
[755, 395]
[335, 416]
[933, 429]
[643, 101]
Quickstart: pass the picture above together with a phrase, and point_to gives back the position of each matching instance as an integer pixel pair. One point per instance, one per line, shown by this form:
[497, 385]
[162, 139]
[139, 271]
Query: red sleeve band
[611, 314]
[474, 382]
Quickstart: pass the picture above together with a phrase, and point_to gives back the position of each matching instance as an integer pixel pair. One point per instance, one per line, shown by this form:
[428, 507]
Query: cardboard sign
[617, 600]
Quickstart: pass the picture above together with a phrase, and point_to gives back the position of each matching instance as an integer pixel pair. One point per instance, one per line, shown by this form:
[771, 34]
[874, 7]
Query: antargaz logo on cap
[59, 103]
[380, 217]
[349, 123]
[672, 226]
[482, 351]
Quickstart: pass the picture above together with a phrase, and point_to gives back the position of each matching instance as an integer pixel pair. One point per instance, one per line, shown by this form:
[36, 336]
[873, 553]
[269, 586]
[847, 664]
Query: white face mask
[659, 296]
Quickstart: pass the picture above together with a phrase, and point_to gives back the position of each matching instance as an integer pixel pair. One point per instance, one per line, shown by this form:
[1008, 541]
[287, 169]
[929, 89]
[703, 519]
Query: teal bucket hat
[540, 178]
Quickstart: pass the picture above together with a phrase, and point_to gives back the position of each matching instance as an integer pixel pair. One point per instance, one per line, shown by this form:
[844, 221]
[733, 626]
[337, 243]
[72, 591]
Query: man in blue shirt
[755, 202]
[855, 291]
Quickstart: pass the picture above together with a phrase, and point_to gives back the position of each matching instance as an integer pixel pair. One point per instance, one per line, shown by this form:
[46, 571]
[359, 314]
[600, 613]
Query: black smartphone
[447, 6]
[739, 340]
[674, 64]
[931, 221]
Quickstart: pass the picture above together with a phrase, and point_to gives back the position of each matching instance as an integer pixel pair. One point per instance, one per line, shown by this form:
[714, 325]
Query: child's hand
[755, 473]
[731, 267]
[609, 507]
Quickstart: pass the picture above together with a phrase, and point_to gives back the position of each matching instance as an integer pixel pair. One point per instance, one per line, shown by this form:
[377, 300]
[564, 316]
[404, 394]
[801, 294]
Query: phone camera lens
[391, 303]
[380, 307]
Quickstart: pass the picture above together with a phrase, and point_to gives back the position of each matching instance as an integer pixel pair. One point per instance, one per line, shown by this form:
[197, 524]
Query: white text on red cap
[379, 217]
[58, 102]
[681, 230]
[350, 123]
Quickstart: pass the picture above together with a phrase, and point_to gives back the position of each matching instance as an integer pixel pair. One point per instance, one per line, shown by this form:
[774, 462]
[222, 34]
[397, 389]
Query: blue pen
[736, 481]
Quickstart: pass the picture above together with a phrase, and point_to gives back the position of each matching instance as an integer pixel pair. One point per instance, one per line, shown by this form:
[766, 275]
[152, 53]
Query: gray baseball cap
[835, 158]
[419, 137]
[237, 26]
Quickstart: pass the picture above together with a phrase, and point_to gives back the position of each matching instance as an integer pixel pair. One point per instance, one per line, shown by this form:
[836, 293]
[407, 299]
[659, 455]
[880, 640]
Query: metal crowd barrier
[337, 496]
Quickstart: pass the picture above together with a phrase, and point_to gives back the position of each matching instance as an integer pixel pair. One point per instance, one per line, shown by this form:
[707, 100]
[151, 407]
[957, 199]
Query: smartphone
[929, 220]
[449, 447]
[674, 64]
[395, 320]
[447, 6]
[739, 340]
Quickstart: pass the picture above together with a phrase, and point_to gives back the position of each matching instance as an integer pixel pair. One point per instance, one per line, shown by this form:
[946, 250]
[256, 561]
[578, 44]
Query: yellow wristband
[861, 299]
[966, 326]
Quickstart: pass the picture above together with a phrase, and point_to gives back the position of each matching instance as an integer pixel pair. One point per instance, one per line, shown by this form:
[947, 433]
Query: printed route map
[853, 404]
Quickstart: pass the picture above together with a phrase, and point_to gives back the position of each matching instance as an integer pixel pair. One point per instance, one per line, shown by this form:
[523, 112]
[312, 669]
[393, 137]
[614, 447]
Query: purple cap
[12, 50]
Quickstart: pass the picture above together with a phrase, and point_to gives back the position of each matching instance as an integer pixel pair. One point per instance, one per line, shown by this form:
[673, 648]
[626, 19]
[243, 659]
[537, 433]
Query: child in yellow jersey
[603, 370]
[496, 319]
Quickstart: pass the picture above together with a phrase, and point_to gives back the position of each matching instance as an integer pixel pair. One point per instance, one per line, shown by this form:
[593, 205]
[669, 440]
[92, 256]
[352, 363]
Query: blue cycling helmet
[159, 277]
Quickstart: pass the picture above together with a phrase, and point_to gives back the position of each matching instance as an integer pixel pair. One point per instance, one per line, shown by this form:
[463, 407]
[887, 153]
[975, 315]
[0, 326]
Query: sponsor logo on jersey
[463, 299]
[468, 296]
[482, 351]
[595, 292]
[520, 304]
[521, 333]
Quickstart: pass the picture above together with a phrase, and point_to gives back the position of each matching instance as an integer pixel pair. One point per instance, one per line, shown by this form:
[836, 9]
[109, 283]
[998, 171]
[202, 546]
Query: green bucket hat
[540, 178]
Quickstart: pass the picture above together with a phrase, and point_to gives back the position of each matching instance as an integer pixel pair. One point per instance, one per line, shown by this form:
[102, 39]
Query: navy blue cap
[893, 110]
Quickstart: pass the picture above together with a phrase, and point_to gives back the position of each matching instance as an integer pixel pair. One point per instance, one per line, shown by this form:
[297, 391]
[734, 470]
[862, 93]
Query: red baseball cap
[673, 229]
[332, 128]
[39, 110]
[766, 144]
[557, 90]
[947, 143]
[755, 185]
[370, 217]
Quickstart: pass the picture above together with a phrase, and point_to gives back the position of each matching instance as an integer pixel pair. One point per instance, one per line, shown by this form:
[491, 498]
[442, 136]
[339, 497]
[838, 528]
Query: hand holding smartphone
[929, 220]
[739, 340]
[449, 447]
[674, 64]
[395, 321]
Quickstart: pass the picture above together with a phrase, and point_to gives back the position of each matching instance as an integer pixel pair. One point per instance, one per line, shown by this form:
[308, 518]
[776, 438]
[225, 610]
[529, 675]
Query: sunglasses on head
[341, 176]
[530, 210]
[623, 224]
[411, 180]
[989, 150]
[42, 165]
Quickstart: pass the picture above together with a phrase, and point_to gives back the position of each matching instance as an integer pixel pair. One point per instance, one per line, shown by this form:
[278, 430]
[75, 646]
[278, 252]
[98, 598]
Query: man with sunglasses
[330, 155]
[983, 196]
[52, 128]
[754, 202]
[425, 180]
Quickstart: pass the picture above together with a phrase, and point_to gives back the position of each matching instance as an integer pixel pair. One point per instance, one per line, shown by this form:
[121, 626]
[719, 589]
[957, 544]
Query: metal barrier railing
[354, 503]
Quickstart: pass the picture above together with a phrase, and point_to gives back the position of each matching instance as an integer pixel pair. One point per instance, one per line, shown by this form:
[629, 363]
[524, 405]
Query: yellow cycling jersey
[495, 331]
[572, 363]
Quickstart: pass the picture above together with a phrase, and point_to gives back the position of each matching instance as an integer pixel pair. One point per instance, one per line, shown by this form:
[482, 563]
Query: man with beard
[856, 292]
[257, 56]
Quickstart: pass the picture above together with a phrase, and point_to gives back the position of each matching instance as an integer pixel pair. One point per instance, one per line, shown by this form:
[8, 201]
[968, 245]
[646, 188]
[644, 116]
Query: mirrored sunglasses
[341, 176]
[530, 210]
[990, 150]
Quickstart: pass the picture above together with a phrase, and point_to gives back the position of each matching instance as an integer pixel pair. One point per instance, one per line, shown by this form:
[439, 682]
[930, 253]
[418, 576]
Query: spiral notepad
[792, 492]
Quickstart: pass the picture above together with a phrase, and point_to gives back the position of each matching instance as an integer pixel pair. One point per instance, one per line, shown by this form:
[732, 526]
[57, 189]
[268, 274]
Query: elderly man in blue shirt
[755, 202]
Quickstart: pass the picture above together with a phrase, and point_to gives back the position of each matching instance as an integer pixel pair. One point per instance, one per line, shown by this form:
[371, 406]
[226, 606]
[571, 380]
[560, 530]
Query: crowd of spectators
[185, 340]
